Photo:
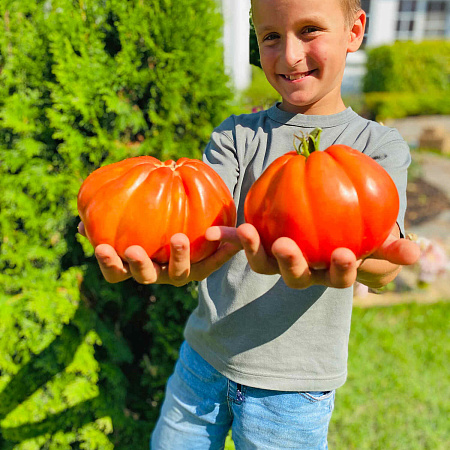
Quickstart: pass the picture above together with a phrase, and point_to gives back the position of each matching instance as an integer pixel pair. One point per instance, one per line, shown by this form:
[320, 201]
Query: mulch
[424, 202]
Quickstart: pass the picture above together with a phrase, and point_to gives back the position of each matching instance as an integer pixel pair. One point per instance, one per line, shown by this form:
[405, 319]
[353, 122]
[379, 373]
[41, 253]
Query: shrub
[419, 67]
[395, 105]
[408, 78]
[84, 84]
[260, 94]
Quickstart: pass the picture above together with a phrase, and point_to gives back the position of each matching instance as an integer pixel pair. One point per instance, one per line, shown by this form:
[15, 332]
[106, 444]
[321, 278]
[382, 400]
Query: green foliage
[408, 78]
[395, 105]
[421, 67]
[83, 84]
[260, 93]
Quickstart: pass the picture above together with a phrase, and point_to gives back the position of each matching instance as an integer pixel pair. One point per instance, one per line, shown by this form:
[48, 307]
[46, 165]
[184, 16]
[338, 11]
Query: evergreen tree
[85, 83]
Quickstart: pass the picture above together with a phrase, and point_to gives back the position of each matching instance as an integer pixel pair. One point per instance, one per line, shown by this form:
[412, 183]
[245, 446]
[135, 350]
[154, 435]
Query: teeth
[296, 77]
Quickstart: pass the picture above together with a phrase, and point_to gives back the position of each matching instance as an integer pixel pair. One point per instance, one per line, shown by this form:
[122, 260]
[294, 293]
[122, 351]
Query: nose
[294, 51]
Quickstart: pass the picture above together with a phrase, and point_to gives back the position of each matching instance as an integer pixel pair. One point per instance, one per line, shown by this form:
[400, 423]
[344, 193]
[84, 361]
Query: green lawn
[397, 392]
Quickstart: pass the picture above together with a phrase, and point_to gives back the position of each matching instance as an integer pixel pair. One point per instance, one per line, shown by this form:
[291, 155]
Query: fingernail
[344, 266]
[213, 233]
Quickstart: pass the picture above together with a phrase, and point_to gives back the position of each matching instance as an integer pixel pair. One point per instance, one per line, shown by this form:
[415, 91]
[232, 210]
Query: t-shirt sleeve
[221, 154]
[393, 154]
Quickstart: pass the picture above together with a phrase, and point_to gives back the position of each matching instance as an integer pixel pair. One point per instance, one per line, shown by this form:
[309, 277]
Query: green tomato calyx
[308, 142]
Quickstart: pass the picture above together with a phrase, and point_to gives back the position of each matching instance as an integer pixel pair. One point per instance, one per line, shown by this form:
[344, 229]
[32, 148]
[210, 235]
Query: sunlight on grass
[396, 395]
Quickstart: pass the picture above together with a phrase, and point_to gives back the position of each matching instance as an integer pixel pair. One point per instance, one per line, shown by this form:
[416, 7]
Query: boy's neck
[317, 109]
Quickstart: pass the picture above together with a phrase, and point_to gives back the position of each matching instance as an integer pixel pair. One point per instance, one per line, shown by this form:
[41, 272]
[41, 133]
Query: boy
[267, 345]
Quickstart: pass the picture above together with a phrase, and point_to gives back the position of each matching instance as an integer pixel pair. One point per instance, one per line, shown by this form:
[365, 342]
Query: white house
[388, 21]
[396, 20]
[236, 35]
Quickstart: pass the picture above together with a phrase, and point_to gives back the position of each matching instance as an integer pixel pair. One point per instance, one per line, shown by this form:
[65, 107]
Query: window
[406, 19]
[422, 19]
[408, 6]
[435, 19]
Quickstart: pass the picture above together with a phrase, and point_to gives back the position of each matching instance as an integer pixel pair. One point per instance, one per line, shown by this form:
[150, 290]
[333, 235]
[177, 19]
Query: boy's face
[303, 46]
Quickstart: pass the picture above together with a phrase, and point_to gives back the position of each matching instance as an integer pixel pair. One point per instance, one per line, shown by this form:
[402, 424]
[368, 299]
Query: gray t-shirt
[251, 327]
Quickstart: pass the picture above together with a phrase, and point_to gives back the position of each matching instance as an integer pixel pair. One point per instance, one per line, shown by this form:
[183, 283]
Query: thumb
[403, 252]
[224, 234]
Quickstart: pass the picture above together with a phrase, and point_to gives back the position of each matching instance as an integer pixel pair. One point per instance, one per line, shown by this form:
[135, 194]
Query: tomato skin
[143, 201]
[334, 198]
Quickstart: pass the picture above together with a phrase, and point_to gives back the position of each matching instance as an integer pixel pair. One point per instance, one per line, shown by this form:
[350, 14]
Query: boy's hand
[178, 271]
[288, 261]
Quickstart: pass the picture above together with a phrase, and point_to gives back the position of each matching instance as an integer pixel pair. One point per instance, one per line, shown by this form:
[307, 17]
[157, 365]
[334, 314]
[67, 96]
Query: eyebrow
[308, 19]
[312, 18]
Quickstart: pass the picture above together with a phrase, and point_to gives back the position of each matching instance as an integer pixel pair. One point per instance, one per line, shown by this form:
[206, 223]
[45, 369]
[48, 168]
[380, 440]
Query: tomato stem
[309, 142]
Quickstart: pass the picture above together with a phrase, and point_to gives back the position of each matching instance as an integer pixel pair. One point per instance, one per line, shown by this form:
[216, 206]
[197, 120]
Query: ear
[357, 32]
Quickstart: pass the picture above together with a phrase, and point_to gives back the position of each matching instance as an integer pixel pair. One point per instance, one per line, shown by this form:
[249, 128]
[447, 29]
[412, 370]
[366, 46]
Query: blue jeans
[201, 405]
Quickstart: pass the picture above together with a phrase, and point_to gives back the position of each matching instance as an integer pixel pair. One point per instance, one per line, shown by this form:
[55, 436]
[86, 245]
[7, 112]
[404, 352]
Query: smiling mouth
[297, 76]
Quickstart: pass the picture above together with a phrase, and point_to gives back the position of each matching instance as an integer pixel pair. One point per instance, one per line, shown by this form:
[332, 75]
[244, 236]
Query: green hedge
[395, 105]
[408, 78]
[83, 363]
[260, 94]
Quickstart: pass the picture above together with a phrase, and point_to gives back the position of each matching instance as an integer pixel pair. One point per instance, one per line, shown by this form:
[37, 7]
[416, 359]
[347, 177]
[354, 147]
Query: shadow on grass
[37, 372]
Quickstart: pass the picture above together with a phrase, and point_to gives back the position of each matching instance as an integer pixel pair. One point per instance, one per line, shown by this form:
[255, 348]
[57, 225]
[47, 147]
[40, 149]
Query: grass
[397, 392]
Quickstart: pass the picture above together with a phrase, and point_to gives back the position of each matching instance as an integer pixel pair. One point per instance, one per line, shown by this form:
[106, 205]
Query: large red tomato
[143, 201]
[323, 200]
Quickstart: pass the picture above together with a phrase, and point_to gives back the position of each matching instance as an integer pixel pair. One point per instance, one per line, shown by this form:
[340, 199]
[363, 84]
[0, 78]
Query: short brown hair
[350, 8]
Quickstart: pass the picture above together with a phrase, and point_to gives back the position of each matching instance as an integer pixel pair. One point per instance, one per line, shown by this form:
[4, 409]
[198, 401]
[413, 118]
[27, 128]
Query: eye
[310, 30]
[270, 37]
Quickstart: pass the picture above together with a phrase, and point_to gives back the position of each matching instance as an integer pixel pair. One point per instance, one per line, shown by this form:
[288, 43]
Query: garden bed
[424, 202]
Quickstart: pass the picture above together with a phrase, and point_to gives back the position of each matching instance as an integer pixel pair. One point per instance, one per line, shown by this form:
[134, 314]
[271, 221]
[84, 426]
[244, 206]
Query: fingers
[229, 246]
[292, 264]
[343, 268]
[288, 261]
[178, 271]
[398, 251]
[298, 275]
[138, 265]
[141, 267]
[113, 268]
[179, 263]
[257, 258]
[223, 234]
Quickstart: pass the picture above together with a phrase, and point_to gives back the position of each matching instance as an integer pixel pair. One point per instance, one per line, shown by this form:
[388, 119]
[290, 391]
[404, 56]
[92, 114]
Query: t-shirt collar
[306, 120]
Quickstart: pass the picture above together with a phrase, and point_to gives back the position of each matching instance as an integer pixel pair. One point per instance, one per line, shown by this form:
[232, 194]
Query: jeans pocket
[317, 396]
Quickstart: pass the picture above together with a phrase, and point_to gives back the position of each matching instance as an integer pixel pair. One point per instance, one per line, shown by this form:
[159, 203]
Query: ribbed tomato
[323, 200]
[143, 201]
